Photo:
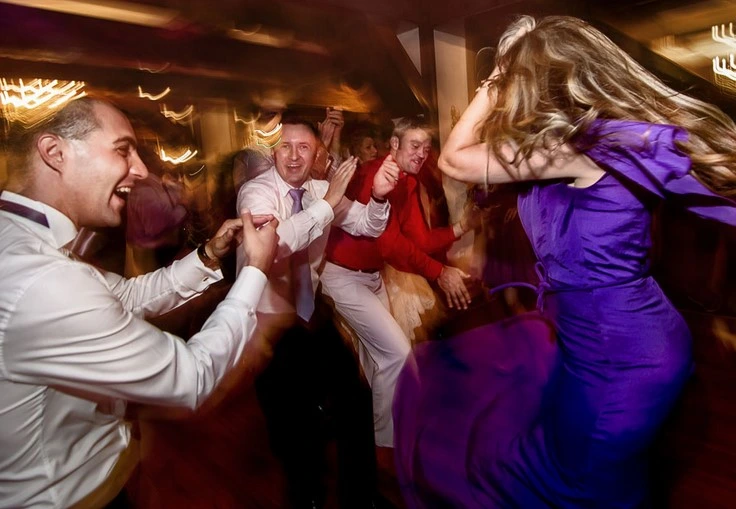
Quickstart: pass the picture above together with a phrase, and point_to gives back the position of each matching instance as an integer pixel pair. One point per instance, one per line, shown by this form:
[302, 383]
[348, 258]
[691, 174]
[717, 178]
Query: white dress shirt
[67, 329]
[269, 194]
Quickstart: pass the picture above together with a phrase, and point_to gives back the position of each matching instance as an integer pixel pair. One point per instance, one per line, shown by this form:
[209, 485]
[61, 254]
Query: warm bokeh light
[180, 117]
[31, 102]
[180, 159]
[153, 97]
[123, 12]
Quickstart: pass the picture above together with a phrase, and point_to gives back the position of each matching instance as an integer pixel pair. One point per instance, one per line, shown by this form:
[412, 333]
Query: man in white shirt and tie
[307, 355]
[74, 346]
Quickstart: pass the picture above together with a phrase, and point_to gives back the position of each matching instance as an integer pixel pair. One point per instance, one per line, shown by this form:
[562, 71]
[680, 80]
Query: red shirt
[407, 242]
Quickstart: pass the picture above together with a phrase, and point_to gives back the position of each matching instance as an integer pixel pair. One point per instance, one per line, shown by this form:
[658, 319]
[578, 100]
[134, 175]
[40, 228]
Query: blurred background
[202, 80]
[197, 73]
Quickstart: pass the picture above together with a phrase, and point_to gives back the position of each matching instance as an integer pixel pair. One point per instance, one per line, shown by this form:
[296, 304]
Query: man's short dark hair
[76, 120]
[289, 118]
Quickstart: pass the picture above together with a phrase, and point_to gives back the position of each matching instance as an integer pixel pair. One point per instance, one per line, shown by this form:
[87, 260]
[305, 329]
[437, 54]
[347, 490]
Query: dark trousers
[311, 393]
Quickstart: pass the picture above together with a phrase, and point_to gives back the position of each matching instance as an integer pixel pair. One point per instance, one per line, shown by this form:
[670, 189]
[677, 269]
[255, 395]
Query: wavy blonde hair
[559, 75]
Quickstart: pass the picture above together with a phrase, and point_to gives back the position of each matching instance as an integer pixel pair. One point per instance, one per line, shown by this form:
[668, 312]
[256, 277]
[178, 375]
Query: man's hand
[330, 129]
[386, 178]
[340, 180]
[259, 240]
[472, 218]
[232, 229]
[452, 282]
[326, 132]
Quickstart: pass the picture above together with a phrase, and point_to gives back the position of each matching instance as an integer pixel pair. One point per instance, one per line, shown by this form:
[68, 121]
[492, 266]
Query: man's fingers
[460, 299]
[347, 163]
[229, 224]
[391, 171]
[226, 232]
[226, 237]
[247, 220]
[273, 223]
[456, 298]
[347, 168]
[466, 298]
[261, 219]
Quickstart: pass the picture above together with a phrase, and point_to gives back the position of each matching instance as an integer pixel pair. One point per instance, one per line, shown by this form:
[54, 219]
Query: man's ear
[51, 149]
[394, 141]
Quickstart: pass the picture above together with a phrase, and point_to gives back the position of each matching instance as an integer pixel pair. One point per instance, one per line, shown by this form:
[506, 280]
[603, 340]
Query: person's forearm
[363, 220]
[160, 291]
[301, 229]
[467, 130]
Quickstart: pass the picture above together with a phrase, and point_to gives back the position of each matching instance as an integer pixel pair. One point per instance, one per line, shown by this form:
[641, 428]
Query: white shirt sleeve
[77, 334]
[158, 292]
[358, 219]
[295, 232]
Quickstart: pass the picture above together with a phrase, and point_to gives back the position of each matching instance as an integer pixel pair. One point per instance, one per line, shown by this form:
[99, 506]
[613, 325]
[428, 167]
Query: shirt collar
[61, 228]
[284, 188]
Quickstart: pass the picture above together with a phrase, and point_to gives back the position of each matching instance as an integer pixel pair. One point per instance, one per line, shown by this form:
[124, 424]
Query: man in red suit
[352, 278]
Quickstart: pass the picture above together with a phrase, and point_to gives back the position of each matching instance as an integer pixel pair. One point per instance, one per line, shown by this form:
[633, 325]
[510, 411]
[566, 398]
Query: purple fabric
[154, 214]
[499, 416]
[647, 155]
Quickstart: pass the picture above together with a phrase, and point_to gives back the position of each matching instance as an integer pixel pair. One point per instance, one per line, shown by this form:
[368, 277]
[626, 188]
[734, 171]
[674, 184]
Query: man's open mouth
[123, 192]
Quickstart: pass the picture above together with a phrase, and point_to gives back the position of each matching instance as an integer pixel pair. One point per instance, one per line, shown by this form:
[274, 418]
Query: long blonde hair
[559, 75]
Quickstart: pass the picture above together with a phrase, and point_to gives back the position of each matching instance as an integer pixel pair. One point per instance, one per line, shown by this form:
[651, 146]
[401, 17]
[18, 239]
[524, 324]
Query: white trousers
[361, 299]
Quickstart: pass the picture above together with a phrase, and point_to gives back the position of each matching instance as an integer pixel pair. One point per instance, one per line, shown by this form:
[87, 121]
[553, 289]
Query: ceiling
[295, 52]
[316, 53]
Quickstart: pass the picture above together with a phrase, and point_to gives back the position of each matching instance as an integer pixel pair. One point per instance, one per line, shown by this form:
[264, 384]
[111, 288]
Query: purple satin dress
[558, 408]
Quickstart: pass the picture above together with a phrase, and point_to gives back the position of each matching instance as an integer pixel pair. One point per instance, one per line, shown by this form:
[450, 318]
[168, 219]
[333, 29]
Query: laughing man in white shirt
[74, 347]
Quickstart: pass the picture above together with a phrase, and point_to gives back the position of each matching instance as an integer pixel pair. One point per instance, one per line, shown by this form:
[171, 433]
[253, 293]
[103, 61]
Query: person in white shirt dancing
[309, 357]
[74, 347]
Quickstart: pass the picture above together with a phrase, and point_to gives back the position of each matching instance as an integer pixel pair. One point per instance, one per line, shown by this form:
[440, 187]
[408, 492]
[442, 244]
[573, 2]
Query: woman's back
[599, 235]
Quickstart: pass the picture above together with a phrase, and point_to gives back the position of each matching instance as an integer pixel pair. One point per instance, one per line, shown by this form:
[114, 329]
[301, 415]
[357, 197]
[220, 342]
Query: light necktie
[301, 273]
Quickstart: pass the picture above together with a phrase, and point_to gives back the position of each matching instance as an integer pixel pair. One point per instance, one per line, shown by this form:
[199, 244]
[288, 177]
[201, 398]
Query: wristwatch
[210, 263]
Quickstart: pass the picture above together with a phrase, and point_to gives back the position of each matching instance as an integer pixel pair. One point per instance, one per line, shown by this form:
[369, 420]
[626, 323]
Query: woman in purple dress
[558, 408]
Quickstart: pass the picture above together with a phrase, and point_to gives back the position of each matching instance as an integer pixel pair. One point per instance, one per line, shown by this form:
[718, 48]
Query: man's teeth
[123, 192]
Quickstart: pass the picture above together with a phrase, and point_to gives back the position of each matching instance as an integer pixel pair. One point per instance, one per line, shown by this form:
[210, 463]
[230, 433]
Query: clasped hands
[256, 233]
